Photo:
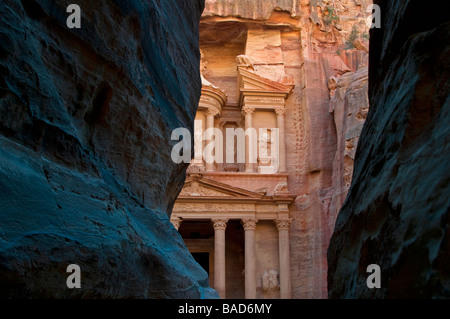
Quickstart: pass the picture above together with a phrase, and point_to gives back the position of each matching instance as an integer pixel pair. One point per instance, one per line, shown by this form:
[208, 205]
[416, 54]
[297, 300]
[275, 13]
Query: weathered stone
[255, 10]
[396, 214]
[349, 107]
[85, 130]
[360, 44]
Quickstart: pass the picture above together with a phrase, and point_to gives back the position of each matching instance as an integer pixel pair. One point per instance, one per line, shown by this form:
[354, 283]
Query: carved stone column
[280, 111]
[210, 114]
[285, 263]
[250, 258]
[198, 145]
[249, 138]
[222, 124]
[219, 255]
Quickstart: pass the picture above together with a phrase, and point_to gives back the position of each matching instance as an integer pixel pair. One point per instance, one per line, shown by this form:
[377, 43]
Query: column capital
[212, 111]
[283, 224]
[176, 221]
[249, 223]
[280, 110]
[219, 223]
[248, 110]
[222, 123]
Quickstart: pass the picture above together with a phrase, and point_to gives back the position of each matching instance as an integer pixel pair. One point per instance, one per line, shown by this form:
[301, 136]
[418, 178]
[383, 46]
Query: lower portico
[255, 218]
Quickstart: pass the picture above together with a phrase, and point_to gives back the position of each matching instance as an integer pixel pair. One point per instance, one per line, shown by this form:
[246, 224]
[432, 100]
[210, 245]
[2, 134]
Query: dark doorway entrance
[203, 260]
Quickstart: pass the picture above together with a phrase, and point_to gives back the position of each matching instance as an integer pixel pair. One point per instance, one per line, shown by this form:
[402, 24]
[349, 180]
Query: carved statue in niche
[194, 168]
[282, 187]
[203, 69]
[193, 189]
[234, 166]
[265, 143]
[265, 161]
[332, 86]
[246, 61]
[203, 62]
[270, 282]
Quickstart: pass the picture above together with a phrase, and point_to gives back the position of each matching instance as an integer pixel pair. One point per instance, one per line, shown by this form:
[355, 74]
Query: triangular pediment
[254, 82]
[204, 187]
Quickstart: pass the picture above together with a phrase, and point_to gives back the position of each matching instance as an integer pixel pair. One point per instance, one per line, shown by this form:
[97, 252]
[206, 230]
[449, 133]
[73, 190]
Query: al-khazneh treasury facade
[261, 228]
[234, 215]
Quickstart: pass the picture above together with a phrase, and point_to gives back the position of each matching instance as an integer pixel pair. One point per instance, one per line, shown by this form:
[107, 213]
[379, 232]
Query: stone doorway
[198, 236]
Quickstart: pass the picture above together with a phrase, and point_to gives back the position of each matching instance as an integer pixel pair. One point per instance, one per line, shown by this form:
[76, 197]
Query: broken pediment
[195, 189]
[254, 85]
[252, 81]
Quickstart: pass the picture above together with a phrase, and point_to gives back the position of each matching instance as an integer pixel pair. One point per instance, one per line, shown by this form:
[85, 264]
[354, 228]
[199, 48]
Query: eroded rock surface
[86, 177]
[396, 214]
[349, 105]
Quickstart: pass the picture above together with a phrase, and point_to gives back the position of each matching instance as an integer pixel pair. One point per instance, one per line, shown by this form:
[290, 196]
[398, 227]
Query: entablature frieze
[212, 207]
[231, 211]
[262, 100]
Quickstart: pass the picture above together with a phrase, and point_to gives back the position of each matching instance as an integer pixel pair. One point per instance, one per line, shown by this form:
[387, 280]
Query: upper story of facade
[240, 125]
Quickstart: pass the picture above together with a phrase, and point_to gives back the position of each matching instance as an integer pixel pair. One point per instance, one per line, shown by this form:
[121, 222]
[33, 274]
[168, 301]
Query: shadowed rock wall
[86, 177]
[396, 214]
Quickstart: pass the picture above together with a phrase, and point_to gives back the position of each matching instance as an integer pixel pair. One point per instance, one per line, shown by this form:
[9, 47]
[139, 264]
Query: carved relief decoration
[283, 224]
[219, 224]
[195, 189]
[270, 281]
[249, 223]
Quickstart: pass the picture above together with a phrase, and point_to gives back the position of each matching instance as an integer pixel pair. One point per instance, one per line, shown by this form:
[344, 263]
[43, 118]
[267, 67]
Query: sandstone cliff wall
[315, 42]
[396, 214]
[349, 105]
[85, 171]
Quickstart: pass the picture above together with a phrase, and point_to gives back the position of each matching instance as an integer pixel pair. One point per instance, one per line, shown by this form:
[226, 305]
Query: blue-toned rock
[86, 176]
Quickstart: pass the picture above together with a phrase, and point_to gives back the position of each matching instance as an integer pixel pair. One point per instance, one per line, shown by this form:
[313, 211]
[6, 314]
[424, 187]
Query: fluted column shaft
[280, 111]
[250, 258]
[219, 255]
[210, 113]
[285, 263]
[248, 114]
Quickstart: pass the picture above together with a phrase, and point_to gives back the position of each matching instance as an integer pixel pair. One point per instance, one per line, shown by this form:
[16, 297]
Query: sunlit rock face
[307, 43]
[86, 176]
[396, 214]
